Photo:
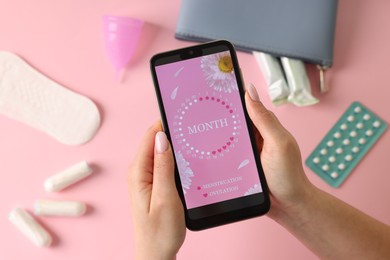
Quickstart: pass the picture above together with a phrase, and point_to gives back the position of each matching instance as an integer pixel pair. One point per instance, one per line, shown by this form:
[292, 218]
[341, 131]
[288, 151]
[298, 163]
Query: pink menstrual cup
[121, 39]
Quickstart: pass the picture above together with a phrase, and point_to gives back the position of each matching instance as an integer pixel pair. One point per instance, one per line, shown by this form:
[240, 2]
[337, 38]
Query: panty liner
[31, 98]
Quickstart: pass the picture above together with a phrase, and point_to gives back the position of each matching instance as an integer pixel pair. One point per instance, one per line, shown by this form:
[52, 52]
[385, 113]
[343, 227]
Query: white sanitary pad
[30, 97]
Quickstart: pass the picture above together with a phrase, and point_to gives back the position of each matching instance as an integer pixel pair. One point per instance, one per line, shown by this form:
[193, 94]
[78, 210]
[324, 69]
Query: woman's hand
[280, 157]
[158, 214]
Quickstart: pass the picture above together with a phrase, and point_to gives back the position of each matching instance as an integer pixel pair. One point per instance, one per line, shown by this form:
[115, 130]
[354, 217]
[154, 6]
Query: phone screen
[209, 132]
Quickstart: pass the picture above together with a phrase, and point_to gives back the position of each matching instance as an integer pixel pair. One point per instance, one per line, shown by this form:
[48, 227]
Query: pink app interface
[207, 126]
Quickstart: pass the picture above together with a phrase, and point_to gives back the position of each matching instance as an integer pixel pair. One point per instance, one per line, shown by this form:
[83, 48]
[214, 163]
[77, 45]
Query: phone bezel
[230, 216]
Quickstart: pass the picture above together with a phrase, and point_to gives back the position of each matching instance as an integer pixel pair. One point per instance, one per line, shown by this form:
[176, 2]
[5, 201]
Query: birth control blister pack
[346, 144]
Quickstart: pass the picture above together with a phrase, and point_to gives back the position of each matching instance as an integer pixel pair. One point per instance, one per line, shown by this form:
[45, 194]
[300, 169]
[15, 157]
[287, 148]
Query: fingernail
[253, 93]
[161, 142]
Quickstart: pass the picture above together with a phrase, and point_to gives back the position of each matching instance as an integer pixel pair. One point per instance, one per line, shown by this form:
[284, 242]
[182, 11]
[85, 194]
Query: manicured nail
[161, 142]
[253, 93]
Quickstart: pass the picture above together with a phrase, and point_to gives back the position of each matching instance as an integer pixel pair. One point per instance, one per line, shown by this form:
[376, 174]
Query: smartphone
[200, 93]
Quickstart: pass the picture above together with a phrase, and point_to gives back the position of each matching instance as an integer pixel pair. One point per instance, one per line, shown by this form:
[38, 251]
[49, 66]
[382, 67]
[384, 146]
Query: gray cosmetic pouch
[299, 29]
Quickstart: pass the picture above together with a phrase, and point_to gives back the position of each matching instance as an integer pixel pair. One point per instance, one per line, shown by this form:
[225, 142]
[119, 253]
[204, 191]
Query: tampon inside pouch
[299, 29]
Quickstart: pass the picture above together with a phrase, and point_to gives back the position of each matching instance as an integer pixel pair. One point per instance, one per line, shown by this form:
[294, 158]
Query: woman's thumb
[264, 120]
[163, 174]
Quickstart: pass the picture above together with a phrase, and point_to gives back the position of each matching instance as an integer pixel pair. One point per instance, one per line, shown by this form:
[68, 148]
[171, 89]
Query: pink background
[225, 154]
[64, 40]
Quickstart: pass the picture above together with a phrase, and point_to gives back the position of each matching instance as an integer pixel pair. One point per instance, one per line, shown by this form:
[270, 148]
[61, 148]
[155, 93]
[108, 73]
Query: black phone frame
[255, 204]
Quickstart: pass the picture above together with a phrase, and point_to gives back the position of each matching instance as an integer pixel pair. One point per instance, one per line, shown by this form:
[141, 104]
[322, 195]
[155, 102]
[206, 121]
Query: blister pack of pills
[346, 144]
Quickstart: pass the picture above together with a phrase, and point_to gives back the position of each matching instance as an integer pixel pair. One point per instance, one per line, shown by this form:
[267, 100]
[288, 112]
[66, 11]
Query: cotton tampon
[29, 227]
[59, 208]
[273, 74]
[298, 82]
[68, 177]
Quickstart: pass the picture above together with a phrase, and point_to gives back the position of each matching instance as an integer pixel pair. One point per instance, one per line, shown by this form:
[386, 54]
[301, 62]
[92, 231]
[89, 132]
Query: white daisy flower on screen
[185, 171]
[219, 72]
[252, 190]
